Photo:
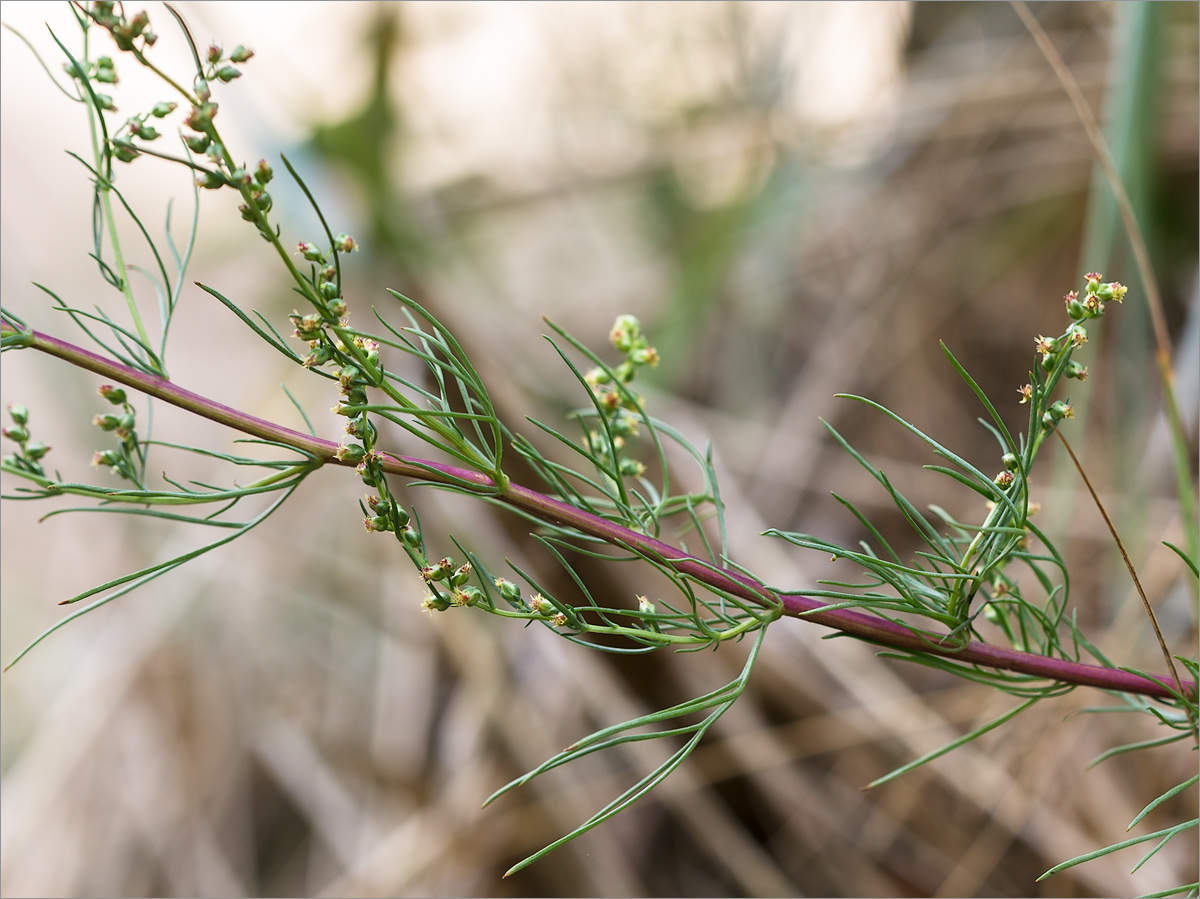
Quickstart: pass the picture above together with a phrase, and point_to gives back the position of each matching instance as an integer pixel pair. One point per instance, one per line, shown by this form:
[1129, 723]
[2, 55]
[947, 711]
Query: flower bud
[197, 143]
[35, 450]
[1003, 480]
[348, 374]
[214, 53]
[263, 173]
[378, 524]
[625, 332]
[228, 73]
[644, 356]
[350, 452]
[410, 537]
[1059, 410]
[123, 150]
[344, 243]
[330, 290]
[467, 596]
[461, 575]
[1010, 460]
[241, 54]
[150, 38]
[433, 604]
[104, 101]
[18, 413]
[114, 395]
[163, 109]
[106, 422]
[210, 181]
[16, 433]
[309, 251]
[508, 589]
[105, 457]
[632, 468]
[1077, 371]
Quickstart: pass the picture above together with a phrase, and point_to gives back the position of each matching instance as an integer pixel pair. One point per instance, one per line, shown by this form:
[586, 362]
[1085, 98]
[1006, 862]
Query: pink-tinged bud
[114, 395]
[16, 433]
[309, 251]
[214, 53]
[18, 413]
[350, 452]
[263, 173]
[344, 243]
[241, 54]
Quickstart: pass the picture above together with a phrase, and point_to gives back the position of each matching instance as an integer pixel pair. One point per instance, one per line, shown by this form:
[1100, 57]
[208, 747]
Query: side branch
[857, 624]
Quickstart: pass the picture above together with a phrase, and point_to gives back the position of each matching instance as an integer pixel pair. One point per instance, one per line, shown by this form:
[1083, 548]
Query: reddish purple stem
[858, 624]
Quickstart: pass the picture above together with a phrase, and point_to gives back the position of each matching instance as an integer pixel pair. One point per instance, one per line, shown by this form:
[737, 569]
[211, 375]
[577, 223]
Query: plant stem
[857, 624]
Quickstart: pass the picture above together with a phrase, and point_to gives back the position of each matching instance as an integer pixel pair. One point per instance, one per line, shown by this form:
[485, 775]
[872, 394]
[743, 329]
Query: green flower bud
[163, 109]
[309, 251]
[18, 413]
[350, 452]
[626, 331]
[1059, 410]
[214, 53]
[378, 523]
[508, 589]
[123, 150]
[36, 450]
[328, 273]
[107, 422]
[263, 173]
[241, 54]
[410, 537]
[1077, 371]
[210, 181]
[467, 596]
[344, 243]
[16, 433]
[114, 395]
[106, 74]
[461, 575]
[1011, 462]
[330, 290]
[228, 73]
[104, 101]
[198, 143]
[348, 375]
[632, 468]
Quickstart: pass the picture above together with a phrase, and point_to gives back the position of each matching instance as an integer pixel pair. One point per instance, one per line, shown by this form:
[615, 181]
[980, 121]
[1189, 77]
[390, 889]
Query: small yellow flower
[1026, 393]
[1045, 344]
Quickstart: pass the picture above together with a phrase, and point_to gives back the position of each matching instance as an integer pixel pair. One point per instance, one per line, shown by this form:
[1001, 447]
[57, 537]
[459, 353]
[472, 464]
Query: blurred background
[797, 199]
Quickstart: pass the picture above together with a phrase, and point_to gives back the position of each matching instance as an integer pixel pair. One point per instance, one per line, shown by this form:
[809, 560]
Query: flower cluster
[1056, 352]
[123, 461]
[30, 452]
[618, 405]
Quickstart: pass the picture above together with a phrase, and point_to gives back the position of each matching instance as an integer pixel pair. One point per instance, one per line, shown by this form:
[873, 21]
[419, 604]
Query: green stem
[103, 186]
